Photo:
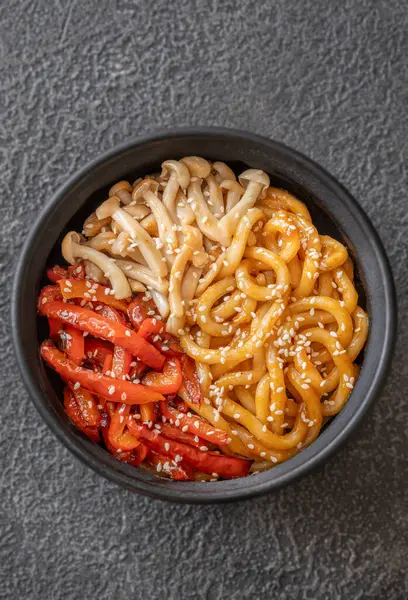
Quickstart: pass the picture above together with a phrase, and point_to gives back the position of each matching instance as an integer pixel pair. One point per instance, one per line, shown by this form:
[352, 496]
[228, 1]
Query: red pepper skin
[77, 271]
[148, 412]
[137, 310]
[137, 370]
[73, 344]
[56, 273]
[49, 293]
[121, 357]
[174, 433]
[55, 328]
[96, 350]
[87, 406]
[227, 467]
[190, 379]
[76, 288]
[150, 327]
[179, 403]
[132, 457]
[166, 382]
[73, 412]
[121, 390]
[98, 326]
[117, 436]
[168, 345]
[162, 464]
[196, 425]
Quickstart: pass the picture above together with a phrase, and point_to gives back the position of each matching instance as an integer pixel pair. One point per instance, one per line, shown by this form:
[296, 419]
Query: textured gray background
[329, 79]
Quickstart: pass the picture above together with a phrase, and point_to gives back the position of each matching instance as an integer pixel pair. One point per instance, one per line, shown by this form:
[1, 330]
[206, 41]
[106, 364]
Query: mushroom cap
[120, 185]
[107, 208]
[197, 166]
[141, 188]
[222, 172]
[255, 175]
[68, 244]
[232, 186]
[181, 170]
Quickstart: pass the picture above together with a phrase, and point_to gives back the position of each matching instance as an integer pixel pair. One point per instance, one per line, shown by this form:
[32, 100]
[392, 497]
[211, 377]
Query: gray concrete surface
[328, 78]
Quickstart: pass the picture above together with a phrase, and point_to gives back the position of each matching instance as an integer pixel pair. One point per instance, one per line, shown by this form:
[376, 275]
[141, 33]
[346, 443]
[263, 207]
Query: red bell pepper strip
[190, 379]
[132, 457]
[122, 358]
[73, 412]
[73, 343]
[118, 437]
[166, 382]
[96, 351]
[55, 328]
[117, 390]
[162, 464]
[150, 327]
[179, 404]
[94, 292]
[148, 412]
[195, 425]
[137, 369]
[138, 310]
[77, 271]
[56, 273]
[87, 406]
[209, 462]
[98, 326]
[49, 293]
[174, 433]
[167, 344]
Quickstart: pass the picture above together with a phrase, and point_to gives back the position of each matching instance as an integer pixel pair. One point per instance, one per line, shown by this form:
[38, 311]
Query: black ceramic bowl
[333, 210]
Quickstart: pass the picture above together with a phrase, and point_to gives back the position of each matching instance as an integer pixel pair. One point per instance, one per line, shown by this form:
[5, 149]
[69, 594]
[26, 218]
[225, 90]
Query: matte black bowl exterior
[334, 211]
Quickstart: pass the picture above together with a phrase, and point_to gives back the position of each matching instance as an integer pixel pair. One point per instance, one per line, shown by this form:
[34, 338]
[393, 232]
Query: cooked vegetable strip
[73, 343]
[117, 390]
[166, 382]
[75, 288]
[208, 462]
[91, 322]
[177, 471]
[195, 425]
[75, 414]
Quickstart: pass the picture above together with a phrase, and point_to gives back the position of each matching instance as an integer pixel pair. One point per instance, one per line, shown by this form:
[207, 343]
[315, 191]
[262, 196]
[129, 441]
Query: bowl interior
[334, 213]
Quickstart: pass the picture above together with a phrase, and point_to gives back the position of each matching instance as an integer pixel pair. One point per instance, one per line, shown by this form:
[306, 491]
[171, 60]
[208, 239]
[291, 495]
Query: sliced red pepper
[195, 425]
[118, 390]
[49, 293]
[73, 412]
[89, 290]
[179, 403]
[166, 382]
[97, 350]
[227, 467]
[190, 379]
[164, 465]
[167, 344]
[56, 273]
[73, 344]
[98, 326]
[87, 406]
[174, 433]
[119, 435]
[77, 271]
[133, 457]
[138, 455]
[137, 369]
[55, 328]
[138, 310]
[122, 358]
[148, 412]
[150, 327]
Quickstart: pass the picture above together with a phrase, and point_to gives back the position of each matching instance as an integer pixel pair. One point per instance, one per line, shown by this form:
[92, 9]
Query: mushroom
[92, 225]
[178, 177]
[143, 274]
[102, 241]
[150, 225]
[138, 234]
[93, 272]
[165, 225]
[234, 192]
[222, 172]
[184, 213]
[137, 211]
[256, 182]
[123, 190]
[136, 286]
[197, 166]
[206, 221]
[145, 184]
[72, 249]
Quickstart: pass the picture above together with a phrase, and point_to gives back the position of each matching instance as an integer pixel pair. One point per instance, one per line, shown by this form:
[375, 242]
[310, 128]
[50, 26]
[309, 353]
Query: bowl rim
[309, 459]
